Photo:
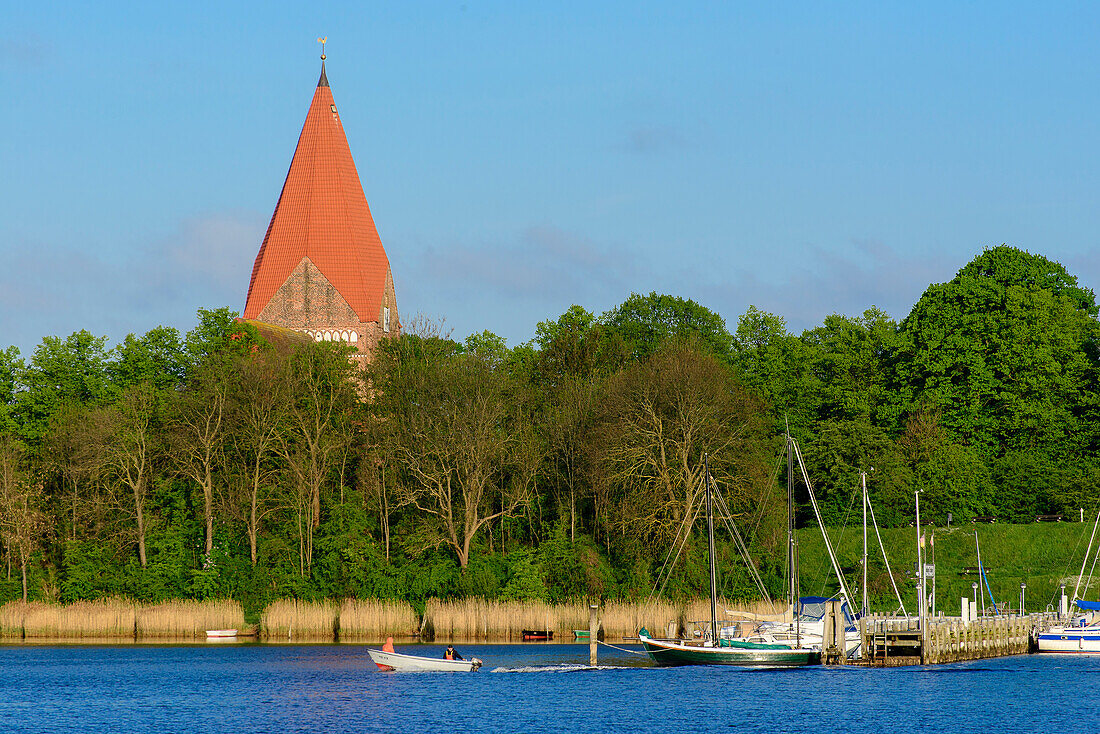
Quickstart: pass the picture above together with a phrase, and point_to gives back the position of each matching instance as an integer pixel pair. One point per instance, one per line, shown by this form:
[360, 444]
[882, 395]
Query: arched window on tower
[354, 337]
[386, 319]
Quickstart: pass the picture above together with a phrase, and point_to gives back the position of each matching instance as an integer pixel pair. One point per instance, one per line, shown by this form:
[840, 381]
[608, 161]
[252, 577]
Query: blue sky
[519, 157]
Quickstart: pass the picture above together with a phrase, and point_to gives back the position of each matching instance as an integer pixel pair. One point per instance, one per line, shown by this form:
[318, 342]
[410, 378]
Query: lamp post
[974, 591]
[1023, 586]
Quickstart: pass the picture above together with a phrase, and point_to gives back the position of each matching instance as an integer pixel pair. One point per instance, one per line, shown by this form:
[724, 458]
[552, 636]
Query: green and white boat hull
[732, 652]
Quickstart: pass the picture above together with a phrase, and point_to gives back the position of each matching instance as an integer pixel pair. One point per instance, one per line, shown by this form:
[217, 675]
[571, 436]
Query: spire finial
[322, 41]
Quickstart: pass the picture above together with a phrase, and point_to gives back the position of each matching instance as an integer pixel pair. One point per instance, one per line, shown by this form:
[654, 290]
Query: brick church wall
[308, 302]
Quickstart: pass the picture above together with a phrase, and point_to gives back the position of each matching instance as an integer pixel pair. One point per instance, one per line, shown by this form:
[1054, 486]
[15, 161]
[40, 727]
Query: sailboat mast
[863, 478]
[710, 550]
[792, 584]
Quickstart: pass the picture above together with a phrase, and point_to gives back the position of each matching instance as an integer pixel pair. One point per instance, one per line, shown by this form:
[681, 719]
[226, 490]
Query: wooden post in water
[863, 652]
[593, 630]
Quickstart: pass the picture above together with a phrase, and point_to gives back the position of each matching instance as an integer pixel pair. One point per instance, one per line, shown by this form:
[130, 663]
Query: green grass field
[1042, 555]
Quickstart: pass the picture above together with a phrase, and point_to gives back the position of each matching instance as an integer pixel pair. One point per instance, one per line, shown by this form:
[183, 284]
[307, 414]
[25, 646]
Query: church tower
[321, 268]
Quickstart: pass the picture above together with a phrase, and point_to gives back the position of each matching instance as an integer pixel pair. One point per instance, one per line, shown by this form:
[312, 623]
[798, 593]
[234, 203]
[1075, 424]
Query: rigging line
[821, 523]
[1091, 569]
[738, 540]
[1072, 554]
[1085, 560]
[766, 504]
[844, 527]
[885, 560]
[679, 550]
[616, 647]
[744, 550]
[672, 547]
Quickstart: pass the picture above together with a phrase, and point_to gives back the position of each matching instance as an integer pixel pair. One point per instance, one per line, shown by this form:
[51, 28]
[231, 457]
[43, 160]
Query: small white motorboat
[387, 659]
[220, 633]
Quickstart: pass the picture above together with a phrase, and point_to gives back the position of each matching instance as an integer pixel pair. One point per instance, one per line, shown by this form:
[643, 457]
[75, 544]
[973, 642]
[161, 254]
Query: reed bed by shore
[188, 619]
[376, 619]
[369, 620]
[699, 610]
[293, 619]
[624, 619]
[121, 619]
[481, 619]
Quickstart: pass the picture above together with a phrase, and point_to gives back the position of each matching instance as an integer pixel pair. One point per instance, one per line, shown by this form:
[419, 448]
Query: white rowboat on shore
[221, 633]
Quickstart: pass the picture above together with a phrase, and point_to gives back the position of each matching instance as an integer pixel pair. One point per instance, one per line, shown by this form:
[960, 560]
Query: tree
[22, 520]
[569, 422]
[62, 372]
[776, 365]
[129, 437]
[1007, 352]
[156, 357]
[319, 425]
[851, 365]
[645, 322]
[11, 369]
[467, 456]
[73, 452]
[198, 432]
[660, 417]
[257, 406]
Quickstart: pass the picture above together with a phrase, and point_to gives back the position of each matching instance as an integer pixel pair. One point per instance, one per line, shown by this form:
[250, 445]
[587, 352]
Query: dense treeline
[215, 465]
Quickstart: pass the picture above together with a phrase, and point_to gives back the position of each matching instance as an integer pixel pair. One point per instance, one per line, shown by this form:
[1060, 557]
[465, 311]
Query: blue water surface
[522, 688]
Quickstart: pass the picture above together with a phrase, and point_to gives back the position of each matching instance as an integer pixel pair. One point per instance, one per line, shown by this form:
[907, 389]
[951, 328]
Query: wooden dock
[891, 642]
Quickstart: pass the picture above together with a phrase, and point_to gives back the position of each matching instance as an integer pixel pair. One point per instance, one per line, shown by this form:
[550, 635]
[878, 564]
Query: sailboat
[729, 643]
[808, 624]
[1082, 634]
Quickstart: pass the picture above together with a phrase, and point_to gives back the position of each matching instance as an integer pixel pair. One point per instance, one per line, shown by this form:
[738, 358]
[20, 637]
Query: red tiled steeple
[322, 215]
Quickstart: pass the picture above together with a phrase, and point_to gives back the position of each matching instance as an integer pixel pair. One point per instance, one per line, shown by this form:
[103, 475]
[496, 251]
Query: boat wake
[563, 668]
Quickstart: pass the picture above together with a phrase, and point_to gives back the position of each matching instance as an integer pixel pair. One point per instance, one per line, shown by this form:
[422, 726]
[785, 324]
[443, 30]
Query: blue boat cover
[1090, 605]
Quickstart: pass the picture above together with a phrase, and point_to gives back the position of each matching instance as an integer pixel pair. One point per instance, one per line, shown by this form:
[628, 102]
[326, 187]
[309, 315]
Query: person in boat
[452, 654]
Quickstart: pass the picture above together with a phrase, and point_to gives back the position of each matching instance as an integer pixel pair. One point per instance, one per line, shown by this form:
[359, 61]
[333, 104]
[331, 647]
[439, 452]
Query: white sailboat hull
[413, 663]
[1070, 640]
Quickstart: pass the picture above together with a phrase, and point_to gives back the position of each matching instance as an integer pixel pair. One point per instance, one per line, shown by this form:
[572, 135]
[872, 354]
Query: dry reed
[624, 619]
[291, 619]
[376, 619]
[105, 618]
[699, 609]
[479, 619]
[188, 619]
[12, 615]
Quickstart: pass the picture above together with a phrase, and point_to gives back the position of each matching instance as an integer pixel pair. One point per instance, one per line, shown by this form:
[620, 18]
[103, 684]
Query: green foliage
[62, 372]
[11, 370]
[1003, 350]
[157, 357]
[558, 469]
[646, 322]
[524, 579]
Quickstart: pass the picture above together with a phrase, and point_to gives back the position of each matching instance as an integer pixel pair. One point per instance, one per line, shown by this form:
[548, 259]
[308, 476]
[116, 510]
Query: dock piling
[593, 630]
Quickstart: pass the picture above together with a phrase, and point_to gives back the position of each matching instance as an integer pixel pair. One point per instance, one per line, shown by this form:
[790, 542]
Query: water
[522, 688]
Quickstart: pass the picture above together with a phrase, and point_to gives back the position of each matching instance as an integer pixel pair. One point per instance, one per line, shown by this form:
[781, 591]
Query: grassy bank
[1042, 555]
